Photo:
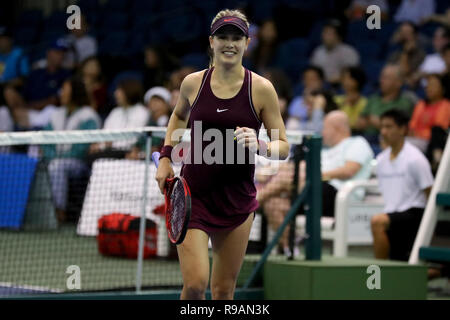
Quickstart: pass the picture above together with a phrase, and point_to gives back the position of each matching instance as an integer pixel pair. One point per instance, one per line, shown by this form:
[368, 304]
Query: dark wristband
[166, 152]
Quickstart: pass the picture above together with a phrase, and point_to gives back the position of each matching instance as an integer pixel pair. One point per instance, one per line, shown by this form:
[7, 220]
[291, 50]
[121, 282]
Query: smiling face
[228, 45]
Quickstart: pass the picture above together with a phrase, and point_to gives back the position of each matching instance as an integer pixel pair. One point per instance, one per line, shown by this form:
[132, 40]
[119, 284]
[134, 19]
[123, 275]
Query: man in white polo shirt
[405, 181]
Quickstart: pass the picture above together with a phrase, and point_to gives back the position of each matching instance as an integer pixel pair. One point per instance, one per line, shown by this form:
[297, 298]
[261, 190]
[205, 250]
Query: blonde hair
[221, 14]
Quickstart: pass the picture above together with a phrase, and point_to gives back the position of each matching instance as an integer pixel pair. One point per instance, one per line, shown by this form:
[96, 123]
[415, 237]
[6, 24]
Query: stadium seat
[428, 29]
[293, 56]
[112, 22]
[372, 68]
[25, 36]
[315, 35]
[368, 50]
[88, 5]
[183, 27]
[261, 10]
[30, 18]
[113, 43]
[57, 19]
[143, 6]
[129, 74]
[137, 43]
[116, 6]
[197, 60]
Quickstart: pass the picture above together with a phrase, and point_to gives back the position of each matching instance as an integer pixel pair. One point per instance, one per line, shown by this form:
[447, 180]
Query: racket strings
[177, 208]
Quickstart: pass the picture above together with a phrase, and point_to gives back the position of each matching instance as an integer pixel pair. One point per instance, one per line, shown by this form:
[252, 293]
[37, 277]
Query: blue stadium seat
[116, 6]
[124, 75]
[49, 36]
[441, 6]
[315, 35]
[137, 43]
[197, 60]
[112, 22]
[141, 23]
[293, 57]
[57, 19]
[168, 6]
[183, 27]
[384, 34]
[25, 36]
[372, 68]
[368, 50]
[114, 44]
[261, 10]
[30, 18]
[88, 5]
[429, 29]
[143, 6]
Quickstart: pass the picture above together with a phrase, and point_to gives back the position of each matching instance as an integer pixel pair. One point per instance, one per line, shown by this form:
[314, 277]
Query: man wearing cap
[157, 100]
[41, 88]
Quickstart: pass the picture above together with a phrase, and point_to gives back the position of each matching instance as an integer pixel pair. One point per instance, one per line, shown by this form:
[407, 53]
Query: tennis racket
[177, 205]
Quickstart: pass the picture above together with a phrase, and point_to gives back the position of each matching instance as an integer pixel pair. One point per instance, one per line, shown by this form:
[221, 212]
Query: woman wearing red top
[226, 97]
[434, 111]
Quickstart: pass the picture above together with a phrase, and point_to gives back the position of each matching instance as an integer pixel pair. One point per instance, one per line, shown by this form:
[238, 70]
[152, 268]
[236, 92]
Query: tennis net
[62, 195]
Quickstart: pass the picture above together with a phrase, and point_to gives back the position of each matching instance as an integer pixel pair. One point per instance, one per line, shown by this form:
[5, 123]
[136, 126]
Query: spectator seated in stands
[40, 90]
[390, 97]
[91, 72]
[333, 55]
[263, 55]
[416, 11]
[343, 158]
[158, 101]
[434, 62]
[81, 45]
[67, 161]
[157, 63]
[434, 111]
[431, 120]
[312, 79]
[405, 180]
[411, 53]
[6, 121]
[352, 102]
[318, 103]
[129, 114]
[14, 65]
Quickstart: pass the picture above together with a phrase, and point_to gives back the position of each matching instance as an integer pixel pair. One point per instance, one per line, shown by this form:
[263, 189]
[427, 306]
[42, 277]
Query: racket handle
[155, 158]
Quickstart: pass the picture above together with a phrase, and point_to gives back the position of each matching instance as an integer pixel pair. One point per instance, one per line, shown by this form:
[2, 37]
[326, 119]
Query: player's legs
[194, 264]
[275, 210]
[379, 225]
[228, 254]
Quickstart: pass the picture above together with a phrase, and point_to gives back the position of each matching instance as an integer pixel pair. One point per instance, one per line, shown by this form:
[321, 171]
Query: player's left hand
[247, 137]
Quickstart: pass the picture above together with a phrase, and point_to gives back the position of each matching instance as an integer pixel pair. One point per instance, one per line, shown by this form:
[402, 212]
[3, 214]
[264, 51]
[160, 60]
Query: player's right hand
[163, 173]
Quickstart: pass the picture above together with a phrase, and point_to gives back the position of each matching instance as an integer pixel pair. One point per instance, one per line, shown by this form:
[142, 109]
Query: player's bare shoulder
[191, 85]
[262, 91]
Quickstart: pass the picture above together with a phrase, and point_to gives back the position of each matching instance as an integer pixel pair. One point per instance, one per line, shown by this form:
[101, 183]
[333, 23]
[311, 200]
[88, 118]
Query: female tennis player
[223, 196]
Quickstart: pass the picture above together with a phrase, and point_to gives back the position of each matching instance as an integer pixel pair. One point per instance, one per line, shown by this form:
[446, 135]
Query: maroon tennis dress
[223, 194]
